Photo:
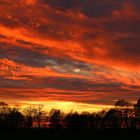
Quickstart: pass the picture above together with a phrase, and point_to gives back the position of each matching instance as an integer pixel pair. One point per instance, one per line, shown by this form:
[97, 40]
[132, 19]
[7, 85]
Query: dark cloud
[90, 8]
[77, 84]
[22, 55]
[10, 83]
[126, 25]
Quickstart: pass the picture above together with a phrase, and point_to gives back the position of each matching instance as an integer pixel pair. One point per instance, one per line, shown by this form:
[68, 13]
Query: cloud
[96, 36]
[92, 8]
[8, 68]
[82, 46]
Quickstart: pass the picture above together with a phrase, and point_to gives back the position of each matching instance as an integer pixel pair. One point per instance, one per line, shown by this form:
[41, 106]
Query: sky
[84, 52]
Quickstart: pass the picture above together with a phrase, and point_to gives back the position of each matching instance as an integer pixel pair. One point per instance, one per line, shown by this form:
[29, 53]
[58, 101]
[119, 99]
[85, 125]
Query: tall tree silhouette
[39, 114]
[77, 121]
[28, 113]
[137, 105]
[113, 119]
[4, 110]
[14, 119]
[137, 114]
[55, 118]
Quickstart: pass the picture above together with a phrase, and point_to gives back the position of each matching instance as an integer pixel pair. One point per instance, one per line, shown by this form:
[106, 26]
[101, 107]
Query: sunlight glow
[67, 106]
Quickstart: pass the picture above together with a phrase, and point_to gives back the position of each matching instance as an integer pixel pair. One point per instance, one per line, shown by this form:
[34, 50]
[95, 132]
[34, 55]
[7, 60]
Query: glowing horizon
[64, 106]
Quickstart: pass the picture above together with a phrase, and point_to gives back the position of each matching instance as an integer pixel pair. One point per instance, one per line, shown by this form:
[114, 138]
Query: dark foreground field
[64, 134]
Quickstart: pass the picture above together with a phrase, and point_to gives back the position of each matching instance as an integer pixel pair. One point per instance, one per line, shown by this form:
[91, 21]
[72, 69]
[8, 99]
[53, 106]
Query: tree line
[122, 115]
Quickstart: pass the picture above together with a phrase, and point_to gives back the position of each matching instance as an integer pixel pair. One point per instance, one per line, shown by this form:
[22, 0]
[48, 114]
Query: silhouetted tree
[71, 120]
[39, 114]
[14, 119]
[28, 113]
[77, 121]
[4, 110]
[113, 119]
[55, 118]
[137, 113]
[92, 122]
[137, 105]
[85, 118]
[126, 110]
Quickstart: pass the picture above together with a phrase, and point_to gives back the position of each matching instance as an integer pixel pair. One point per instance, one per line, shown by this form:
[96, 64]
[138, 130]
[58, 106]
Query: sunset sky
[69, 53]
